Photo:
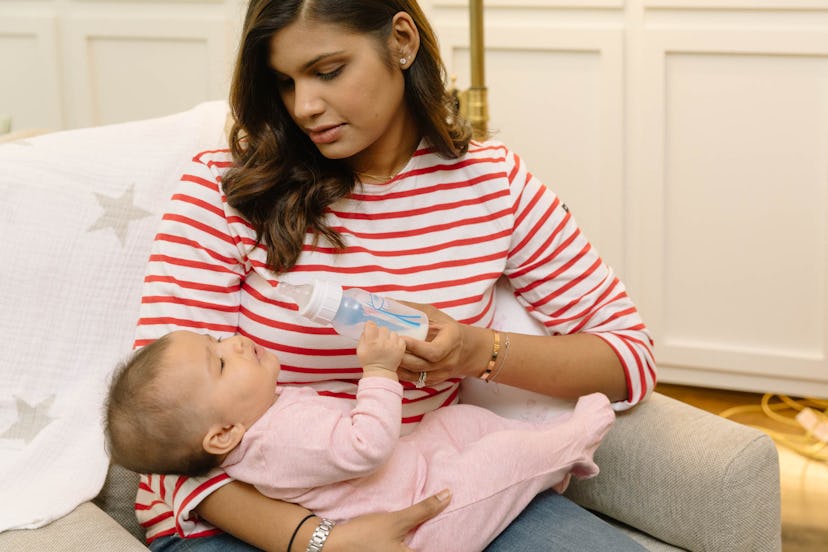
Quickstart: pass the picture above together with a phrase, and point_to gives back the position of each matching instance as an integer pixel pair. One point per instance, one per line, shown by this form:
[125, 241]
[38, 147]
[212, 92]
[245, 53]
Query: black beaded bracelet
[295, 531]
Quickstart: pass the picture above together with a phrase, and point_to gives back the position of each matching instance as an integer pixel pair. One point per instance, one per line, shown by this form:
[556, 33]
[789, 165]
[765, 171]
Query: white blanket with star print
[79, 212]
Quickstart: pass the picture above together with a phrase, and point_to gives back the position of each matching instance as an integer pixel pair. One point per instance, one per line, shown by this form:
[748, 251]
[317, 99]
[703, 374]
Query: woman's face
[340, 91]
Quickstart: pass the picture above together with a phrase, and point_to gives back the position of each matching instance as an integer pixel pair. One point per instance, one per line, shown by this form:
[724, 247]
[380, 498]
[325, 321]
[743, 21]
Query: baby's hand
[380, 351]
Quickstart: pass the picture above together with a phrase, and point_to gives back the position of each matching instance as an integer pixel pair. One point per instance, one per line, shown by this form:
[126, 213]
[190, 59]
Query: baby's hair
[148, 427]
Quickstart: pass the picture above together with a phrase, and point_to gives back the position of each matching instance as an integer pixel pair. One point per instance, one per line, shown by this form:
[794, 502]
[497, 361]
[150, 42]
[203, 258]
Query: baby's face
[233, 380]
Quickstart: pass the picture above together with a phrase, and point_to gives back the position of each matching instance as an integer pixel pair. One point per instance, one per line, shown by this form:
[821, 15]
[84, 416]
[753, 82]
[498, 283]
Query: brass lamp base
[474, 107]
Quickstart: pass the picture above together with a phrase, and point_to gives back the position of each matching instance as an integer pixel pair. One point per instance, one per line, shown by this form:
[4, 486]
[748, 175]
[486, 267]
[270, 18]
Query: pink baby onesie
[341, 461]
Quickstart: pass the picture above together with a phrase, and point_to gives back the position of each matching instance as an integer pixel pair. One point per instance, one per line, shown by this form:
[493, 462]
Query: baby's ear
[222, 439]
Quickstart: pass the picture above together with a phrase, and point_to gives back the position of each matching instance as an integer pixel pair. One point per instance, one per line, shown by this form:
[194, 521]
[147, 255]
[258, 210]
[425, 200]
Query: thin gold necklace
[381, 178]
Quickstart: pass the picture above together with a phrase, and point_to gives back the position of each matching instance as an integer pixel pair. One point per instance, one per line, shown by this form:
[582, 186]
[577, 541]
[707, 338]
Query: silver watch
[320, 535]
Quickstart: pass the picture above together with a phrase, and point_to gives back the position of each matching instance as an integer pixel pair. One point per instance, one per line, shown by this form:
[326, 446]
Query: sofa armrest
[85, 528]
[687, 477]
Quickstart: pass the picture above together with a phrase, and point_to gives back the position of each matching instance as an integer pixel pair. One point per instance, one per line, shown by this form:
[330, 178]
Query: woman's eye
[331, 74]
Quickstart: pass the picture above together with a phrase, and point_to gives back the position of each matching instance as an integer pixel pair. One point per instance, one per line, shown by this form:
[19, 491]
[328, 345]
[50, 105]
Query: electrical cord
[800, 439]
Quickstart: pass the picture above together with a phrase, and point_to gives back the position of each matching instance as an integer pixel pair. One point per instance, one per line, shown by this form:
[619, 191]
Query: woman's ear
[404, 40]
[220, 439]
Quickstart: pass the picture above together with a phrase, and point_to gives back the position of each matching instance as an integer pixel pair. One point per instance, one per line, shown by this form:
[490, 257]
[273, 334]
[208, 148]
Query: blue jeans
[553, 522]
[549, 522]
[218, 543]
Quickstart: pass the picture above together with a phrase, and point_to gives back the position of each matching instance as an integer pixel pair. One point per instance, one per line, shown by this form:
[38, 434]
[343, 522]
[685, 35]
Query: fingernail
[444, 495]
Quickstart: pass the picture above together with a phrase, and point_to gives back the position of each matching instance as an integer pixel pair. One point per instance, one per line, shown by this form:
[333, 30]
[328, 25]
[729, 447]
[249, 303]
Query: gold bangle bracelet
[487, 373]
[501, 357]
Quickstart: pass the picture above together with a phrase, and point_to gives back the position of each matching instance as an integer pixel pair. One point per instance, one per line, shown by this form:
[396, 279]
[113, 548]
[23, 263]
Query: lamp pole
[477, 110]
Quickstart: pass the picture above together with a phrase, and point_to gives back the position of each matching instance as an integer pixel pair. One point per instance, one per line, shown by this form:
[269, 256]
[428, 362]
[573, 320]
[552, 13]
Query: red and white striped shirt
[441, 232]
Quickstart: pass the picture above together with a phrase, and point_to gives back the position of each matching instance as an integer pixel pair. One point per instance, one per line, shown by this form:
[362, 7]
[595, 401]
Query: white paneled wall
[688, 137]
[75, 63]
[30, 85]
[133, 68]
[734, 256]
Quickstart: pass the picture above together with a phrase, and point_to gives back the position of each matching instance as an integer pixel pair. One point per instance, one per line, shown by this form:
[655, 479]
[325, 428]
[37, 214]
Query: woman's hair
[280, 181]
[149, 428]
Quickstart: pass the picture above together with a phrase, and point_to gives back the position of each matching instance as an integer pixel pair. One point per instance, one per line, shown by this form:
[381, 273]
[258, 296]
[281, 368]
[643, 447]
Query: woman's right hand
[386, 531]
[451, 349]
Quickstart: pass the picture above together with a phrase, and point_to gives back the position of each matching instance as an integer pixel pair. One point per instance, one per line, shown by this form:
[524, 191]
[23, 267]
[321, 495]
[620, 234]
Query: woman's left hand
[451, 349]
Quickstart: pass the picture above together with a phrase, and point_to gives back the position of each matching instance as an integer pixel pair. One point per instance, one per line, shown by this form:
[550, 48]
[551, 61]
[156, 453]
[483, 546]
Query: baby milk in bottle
[347, 311]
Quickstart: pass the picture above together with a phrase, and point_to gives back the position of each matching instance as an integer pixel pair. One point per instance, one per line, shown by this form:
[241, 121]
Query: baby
[188, 403]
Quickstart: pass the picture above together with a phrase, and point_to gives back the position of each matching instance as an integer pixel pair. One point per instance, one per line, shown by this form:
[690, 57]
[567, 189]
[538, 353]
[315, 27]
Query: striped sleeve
[561, 280]
[193, 280]
[197, 265]
[164, 504]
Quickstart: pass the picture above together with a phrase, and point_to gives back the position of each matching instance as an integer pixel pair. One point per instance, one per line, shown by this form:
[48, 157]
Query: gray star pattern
[118, 212]
[31, 419]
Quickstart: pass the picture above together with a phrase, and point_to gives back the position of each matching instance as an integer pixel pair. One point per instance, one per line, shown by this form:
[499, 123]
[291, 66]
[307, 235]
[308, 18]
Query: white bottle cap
[323, 303]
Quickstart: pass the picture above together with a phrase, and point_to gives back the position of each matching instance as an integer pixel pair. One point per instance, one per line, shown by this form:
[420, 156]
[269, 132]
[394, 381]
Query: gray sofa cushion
[117, 498]
[86, 528]
[689, 478]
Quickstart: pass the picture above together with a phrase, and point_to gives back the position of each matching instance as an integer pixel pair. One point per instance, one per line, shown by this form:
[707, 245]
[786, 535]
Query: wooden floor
[804, 482]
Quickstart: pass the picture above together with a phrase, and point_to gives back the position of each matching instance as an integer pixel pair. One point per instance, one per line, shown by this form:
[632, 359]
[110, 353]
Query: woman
[346, 163]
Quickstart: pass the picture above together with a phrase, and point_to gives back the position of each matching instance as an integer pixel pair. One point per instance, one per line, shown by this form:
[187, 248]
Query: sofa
[80, 208]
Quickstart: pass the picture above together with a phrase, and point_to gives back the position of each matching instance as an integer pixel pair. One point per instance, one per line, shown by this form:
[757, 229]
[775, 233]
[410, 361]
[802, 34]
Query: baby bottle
[347, 311]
